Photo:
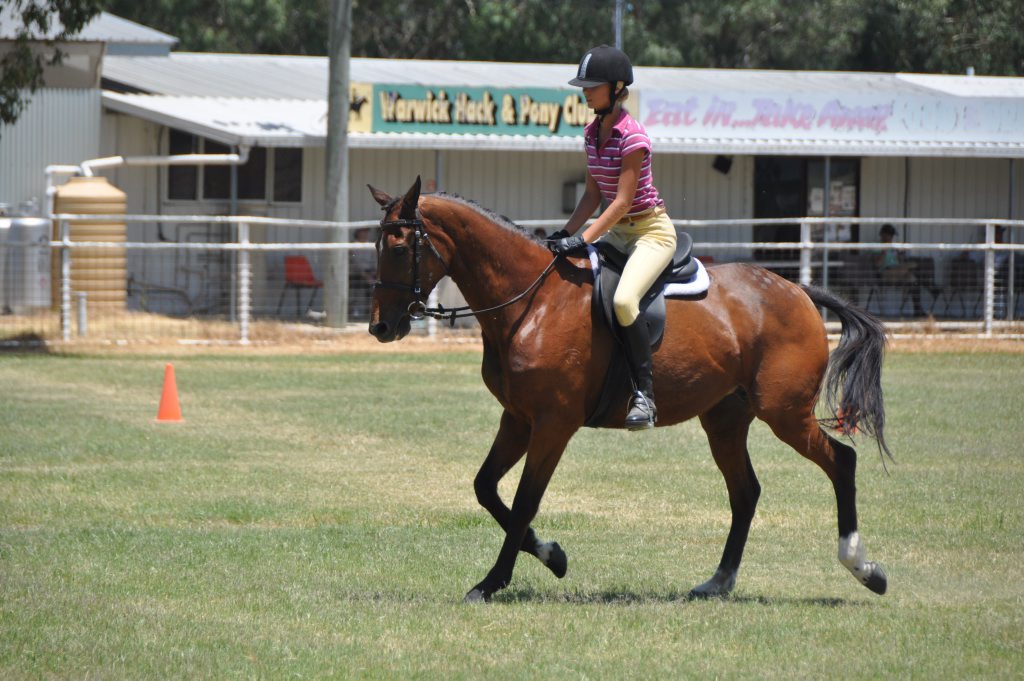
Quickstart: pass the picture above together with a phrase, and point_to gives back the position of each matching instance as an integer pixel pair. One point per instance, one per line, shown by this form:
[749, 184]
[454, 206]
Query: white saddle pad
[695, 285]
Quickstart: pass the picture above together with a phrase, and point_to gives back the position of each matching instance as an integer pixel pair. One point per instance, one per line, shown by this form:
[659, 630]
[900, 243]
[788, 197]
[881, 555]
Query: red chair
[298, 275]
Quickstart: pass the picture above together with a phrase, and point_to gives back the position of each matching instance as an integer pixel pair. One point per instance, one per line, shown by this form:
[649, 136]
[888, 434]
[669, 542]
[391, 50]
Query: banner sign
[809, 117]
[476, 111]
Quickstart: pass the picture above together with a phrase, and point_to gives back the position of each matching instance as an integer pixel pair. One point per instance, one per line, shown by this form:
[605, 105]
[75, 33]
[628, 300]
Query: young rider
[635, 222]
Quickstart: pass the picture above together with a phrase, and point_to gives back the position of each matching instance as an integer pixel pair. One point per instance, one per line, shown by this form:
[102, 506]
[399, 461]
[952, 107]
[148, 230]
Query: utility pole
[618, 23]
[339, 50]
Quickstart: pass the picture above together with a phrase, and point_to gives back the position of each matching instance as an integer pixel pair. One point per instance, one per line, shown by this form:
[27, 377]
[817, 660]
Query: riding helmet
[603, 64]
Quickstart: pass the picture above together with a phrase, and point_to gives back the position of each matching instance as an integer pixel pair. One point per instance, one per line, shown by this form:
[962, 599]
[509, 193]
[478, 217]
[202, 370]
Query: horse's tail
[853, 382]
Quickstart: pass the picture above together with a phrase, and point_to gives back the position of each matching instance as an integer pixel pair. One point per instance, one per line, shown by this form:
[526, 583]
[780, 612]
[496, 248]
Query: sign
[476, 111]
[769, 117]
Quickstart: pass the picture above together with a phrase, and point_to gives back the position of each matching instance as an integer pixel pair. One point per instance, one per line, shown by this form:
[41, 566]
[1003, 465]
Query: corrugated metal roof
[967, 86]
[243, 75]
[232, 120]
[105, 27]
[221, 75]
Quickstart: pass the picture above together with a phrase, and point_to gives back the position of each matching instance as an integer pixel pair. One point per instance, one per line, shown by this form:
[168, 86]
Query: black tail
[854, 369]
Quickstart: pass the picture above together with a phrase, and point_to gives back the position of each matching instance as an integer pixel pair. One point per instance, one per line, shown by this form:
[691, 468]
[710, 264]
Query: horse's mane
[496, 218]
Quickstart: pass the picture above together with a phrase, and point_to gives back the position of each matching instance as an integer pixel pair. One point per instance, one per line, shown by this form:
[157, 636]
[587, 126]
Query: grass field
[314, 517]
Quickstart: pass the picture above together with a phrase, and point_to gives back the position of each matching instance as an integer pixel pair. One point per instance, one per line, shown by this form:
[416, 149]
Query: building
[61, 124]
[730, 144]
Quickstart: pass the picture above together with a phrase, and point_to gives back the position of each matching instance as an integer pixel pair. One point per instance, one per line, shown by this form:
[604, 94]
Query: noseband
[418, 308]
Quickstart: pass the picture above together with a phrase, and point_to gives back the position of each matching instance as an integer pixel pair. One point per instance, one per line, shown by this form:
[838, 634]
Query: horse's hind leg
[839, 461]
[727, 425]
[508, 448]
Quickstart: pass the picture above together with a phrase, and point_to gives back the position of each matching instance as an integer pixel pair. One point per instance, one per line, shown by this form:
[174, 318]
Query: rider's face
[597, 97]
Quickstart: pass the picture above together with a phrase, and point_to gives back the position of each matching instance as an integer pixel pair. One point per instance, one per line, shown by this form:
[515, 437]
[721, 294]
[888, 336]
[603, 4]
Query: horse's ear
[383, 198]
[411, 200]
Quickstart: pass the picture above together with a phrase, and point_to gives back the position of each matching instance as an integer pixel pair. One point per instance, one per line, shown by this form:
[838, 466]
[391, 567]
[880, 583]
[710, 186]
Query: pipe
[241, 158]
[50, 189]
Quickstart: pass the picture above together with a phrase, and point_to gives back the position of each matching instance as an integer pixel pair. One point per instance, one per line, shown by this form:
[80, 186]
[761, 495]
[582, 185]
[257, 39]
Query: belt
[650, 212]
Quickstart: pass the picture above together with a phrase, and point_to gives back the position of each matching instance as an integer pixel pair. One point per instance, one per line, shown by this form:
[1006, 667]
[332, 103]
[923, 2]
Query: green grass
[314, 517]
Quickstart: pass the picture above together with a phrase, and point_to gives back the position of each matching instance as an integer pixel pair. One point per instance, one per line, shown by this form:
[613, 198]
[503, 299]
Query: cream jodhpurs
[650, 242]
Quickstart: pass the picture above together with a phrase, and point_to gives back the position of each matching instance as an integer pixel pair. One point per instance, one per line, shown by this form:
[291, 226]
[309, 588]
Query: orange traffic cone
[169, 409]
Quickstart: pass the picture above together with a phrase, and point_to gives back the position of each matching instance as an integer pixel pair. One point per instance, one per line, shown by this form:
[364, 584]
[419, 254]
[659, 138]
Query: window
[279, 169]
[252, 177]
[786, 187]
[288, 175]
[216, 179]
[181, 180]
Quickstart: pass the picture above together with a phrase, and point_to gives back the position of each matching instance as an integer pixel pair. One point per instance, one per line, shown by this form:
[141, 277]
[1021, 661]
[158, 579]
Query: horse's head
[408, 265]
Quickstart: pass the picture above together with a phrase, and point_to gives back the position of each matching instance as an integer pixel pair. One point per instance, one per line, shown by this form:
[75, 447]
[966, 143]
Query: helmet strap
[613, 96]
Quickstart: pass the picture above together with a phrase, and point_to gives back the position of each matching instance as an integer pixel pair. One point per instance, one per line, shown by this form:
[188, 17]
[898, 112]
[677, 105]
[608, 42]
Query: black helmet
[603, 64]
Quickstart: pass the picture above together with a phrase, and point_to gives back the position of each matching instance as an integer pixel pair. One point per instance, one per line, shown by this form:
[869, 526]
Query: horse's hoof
[719, 586]
[697, 595]
[557, 562]
[877, 580]
[476, 596]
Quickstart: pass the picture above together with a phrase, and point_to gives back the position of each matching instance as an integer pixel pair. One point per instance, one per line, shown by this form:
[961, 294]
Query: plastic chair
[298, 275]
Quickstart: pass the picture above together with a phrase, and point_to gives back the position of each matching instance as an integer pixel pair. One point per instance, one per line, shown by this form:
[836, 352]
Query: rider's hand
[566, 245]
[560, 234]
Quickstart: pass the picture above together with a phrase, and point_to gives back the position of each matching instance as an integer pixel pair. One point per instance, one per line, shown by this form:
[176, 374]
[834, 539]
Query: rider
[635, 221]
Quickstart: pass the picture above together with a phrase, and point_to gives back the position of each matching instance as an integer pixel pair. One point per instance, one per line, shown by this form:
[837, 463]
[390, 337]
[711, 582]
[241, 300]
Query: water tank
[24, 264]
[100, 272]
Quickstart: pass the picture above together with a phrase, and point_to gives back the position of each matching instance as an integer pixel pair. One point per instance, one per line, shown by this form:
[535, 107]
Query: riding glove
[566, 245]
[560, 234]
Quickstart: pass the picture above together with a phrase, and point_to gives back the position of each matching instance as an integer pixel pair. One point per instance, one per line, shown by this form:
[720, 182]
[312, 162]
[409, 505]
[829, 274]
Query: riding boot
[642, 412]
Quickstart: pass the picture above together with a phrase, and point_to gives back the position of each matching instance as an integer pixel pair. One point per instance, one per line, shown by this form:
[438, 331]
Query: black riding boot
[642, 412]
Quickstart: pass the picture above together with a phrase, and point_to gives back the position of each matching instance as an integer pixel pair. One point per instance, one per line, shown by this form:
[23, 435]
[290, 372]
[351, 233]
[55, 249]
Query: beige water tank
[100, 272]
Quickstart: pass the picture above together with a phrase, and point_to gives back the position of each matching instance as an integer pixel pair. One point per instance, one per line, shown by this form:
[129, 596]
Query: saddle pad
[696, 285]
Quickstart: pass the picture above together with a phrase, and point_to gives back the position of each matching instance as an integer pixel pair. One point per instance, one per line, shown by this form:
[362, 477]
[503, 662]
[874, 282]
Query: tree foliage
[942, 36]
[21, 67]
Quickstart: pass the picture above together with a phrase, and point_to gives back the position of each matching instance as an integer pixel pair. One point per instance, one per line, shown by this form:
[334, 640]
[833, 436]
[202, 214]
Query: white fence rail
[995, 283]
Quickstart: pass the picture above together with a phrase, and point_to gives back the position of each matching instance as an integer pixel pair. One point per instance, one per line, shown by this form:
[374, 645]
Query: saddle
[685, 276]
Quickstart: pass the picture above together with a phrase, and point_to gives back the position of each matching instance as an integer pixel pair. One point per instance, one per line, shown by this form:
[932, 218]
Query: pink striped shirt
[626, 137]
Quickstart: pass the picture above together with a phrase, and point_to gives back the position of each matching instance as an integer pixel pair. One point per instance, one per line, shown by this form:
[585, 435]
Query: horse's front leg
[509, 447]
[547, 442]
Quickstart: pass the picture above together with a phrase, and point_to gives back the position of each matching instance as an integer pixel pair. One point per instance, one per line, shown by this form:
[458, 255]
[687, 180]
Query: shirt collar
[618, 129]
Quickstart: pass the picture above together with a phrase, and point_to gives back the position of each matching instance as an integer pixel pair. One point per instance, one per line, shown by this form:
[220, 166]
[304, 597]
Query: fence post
[83, 314]
[65, 280]
[244, 283]
[990, 276]
[805, 253]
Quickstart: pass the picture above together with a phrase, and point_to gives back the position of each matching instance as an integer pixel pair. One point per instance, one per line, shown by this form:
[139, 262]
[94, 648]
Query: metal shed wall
[57, 127]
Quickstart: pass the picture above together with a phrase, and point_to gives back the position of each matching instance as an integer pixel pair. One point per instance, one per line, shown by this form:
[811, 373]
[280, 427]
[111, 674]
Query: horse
[754, 346]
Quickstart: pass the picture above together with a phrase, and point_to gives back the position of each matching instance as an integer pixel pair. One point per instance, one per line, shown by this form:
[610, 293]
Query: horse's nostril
[379, 329]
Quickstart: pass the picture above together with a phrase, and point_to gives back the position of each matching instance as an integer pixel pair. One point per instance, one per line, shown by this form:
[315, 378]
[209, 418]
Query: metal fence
[245, 279]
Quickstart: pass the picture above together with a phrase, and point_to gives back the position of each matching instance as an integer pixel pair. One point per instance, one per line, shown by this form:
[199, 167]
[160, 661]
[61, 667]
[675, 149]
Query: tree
[939, 36]
[21, 67]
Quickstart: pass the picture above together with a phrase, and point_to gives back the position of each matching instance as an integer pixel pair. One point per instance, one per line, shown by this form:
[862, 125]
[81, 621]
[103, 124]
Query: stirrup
[642, 412]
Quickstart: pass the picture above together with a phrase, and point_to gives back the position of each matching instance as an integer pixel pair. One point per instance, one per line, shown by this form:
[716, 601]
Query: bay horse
[753, 347]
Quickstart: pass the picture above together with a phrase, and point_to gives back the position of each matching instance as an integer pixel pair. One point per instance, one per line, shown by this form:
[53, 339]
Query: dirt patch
[929, 344]
[137, 332]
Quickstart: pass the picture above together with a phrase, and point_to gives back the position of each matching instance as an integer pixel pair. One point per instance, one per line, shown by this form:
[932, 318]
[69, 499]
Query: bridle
[418, 308]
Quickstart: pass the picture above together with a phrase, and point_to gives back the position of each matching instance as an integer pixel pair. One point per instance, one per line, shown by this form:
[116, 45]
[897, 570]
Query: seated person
[894, 269]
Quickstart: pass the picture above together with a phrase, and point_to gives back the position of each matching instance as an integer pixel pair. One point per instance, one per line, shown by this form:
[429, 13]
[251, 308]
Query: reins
[418, 308]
